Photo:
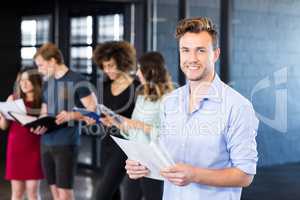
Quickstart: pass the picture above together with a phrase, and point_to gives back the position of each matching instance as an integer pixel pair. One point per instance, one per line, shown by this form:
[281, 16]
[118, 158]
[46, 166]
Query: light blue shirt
[219, 134]
[148, 112]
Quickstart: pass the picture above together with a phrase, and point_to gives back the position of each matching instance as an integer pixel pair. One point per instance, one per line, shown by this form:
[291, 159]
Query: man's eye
[201, 50]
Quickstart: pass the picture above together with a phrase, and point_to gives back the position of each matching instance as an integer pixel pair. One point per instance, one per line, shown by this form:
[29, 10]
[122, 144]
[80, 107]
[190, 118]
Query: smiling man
[207, 127]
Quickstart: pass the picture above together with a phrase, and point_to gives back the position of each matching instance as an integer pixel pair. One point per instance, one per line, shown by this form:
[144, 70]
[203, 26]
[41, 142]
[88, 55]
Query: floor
[83, 186]
[271, 183]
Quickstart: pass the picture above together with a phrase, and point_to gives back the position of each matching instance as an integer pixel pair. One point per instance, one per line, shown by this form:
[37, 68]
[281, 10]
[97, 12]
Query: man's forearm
[89, 102]
[229, 177]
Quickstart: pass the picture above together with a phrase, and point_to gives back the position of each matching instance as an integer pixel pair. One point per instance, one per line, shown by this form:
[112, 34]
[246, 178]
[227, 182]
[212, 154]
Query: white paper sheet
[22, 118]
[152, 155]
[17, 106]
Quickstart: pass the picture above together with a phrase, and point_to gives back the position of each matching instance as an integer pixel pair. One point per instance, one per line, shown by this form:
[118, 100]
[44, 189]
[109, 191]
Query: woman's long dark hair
[158, 80]
[36, 80]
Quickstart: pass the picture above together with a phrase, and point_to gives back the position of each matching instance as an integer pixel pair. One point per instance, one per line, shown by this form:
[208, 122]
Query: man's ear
[217, 53]
[52, 61]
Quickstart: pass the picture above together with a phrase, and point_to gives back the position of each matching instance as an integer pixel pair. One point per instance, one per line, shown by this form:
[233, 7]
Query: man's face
[197, 56]
[46, 68]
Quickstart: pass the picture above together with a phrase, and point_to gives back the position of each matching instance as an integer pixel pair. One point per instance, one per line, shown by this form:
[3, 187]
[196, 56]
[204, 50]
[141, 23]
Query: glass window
[81, 44]
[110, 27]
[28, 28]
[35, 31]
[81, 59]
[81, 30]
[27, 54]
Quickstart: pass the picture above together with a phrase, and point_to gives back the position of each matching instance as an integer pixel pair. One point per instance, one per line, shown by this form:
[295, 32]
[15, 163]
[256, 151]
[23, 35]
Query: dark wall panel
[9, 64]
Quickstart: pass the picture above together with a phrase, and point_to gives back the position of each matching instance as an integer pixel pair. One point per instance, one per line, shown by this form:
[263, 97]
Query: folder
[152, 155]
[88, 113]
[33, 122]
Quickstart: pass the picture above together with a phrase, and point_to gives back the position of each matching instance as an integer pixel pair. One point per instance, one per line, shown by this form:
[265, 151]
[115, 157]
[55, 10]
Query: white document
[17, 106]
[153, 156]
[22, 118]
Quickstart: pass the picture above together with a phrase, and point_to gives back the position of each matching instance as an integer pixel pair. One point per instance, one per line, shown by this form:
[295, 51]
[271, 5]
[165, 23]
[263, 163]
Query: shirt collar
[214, 91]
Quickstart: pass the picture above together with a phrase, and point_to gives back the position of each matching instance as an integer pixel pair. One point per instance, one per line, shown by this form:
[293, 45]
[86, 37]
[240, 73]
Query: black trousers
[112, 171]
[149, 189]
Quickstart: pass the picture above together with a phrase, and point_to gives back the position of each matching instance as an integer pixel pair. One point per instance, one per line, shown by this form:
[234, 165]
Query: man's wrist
[76, 116]
[195, 174]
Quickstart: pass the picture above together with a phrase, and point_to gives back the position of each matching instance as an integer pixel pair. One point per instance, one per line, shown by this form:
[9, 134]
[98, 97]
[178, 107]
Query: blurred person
[63, 90]
[117, 59]
[145, 122]
[23, 164]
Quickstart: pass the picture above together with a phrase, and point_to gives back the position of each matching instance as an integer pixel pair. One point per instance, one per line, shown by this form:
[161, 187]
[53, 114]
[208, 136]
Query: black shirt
[63, 94]
[123, 103]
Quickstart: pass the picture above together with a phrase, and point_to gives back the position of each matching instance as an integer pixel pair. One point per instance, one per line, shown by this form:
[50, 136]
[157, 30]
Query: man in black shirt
[63, 90]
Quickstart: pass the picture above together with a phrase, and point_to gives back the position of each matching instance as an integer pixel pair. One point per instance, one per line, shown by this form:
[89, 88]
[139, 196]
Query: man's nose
[192, 56]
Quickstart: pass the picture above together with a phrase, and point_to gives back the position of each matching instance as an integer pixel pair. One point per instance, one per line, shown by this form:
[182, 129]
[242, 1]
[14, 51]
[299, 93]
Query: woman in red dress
[23, 164]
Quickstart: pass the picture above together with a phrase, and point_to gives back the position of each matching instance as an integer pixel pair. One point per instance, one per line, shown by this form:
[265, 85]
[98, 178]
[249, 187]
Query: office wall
[208, 8]
[164, 26]
[265, 68]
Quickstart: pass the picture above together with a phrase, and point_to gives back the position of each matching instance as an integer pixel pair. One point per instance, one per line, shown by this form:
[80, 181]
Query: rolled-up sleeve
[241, 138]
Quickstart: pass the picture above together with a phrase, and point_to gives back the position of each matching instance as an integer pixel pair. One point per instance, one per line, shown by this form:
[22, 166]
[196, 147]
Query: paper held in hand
[105, 110]
[154, 156]
[17, 106]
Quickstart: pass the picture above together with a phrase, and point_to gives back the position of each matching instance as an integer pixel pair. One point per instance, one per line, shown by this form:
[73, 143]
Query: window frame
[36, 46]
[94, 14]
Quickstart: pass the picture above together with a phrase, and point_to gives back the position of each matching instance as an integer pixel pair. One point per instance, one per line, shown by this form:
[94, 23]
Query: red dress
[23, 158]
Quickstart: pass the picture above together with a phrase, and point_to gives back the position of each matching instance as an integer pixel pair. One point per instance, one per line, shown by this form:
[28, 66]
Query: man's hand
[135, 170]
[40, 130]
[64, 116]
[179, 174]
[88, 120]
